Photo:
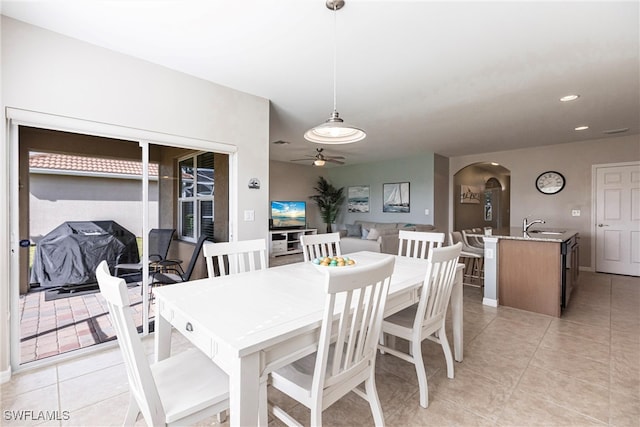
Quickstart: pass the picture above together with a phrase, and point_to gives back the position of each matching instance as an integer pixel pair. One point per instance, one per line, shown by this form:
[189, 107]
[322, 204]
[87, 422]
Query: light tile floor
[519, 369]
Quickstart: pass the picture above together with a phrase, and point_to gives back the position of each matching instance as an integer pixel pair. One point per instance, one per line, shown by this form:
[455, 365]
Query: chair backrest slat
[239, 257]
[320, 245]
[357, 296]
[142, 384]
[418, 244]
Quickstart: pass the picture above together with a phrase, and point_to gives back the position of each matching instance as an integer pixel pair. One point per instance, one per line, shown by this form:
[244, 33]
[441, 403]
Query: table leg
[457, 310]
[244, 391]
[162, 342]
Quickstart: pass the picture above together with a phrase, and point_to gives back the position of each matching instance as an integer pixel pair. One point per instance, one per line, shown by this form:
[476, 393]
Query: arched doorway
[482, 196]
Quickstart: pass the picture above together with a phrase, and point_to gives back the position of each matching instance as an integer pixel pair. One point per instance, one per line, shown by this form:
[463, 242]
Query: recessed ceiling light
[582, 128]
[568, 98]
[280, 142]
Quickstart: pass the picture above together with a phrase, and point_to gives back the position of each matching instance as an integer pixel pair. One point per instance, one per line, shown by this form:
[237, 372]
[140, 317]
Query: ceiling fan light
[319, 162]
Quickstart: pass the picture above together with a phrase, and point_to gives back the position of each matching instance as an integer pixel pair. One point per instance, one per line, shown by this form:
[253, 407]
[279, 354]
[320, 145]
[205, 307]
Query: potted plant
[328, 199]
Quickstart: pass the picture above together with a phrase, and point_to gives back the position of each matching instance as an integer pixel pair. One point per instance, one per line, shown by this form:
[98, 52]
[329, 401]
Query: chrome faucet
[526, 225]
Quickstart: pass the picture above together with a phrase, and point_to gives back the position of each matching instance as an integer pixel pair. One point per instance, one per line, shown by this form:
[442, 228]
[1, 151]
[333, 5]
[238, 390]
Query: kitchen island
[534, 271]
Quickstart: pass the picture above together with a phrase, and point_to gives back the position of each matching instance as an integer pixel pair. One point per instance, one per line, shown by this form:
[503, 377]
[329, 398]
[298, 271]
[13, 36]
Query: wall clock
[550, 182]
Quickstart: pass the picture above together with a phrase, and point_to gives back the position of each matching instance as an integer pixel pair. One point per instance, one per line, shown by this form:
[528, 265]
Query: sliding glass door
[79, 198]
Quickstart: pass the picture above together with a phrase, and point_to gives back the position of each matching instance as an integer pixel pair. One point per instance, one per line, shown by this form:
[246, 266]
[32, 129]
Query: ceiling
[452, 77]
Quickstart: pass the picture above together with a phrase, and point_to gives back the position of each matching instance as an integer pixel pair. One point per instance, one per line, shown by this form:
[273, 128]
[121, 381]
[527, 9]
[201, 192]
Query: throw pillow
[373, 234]
[354, 230]
[365, 233]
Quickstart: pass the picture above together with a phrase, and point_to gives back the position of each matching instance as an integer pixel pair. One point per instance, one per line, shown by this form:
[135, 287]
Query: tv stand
[287, 242]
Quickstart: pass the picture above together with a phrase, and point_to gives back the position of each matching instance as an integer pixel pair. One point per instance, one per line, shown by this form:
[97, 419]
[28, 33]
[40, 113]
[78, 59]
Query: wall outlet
[426, 211]
[249, 215]
[575, 212]
[488, 253]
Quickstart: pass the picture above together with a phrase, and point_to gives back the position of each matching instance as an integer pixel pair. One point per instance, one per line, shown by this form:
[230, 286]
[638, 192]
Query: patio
[49, 328]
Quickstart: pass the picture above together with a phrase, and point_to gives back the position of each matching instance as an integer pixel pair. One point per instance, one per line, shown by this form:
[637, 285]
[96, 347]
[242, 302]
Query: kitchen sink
[554, 233]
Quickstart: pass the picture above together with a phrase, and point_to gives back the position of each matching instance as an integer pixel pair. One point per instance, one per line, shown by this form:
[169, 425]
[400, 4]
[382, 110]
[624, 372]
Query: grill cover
[70, 253]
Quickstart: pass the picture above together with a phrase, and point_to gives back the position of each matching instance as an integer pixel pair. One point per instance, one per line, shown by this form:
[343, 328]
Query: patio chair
[159, 241]
[320, 245]
[426, 319]
[170, 274]
[346, 356]
[180, 390]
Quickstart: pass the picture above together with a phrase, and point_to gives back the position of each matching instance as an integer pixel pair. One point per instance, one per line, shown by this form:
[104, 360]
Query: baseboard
[5, 376]
[490, 302]
[589, 269]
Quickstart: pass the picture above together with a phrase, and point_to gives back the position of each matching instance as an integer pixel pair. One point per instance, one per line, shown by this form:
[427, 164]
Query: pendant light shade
[334, 130]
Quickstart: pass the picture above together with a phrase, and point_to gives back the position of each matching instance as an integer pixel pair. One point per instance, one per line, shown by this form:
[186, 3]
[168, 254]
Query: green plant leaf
[328, 198]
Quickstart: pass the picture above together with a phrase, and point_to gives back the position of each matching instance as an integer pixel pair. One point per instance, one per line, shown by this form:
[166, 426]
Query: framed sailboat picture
[395, 197]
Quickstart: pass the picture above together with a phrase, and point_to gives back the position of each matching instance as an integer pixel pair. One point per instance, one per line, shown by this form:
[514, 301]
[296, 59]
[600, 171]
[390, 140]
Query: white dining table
[252, 323]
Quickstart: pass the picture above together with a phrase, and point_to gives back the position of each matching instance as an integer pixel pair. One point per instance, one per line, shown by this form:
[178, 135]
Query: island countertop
[540, 234]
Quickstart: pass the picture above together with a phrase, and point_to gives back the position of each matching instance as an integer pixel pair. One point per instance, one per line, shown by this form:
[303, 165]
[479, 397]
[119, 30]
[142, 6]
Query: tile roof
[65, 162]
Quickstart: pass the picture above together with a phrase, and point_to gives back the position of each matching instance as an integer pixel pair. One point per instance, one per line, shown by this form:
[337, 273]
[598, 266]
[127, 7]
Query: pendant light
[334, 130]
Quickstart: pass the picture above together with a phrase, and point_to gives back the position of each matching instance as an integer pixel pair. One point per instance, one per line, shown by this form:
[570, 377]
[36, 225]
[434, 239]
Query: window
[195, 198]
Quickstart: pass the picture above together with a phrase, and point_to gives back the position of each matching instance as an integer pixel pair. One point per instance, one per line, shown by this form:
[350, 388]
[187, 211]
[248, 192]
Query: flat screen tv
[288, 214]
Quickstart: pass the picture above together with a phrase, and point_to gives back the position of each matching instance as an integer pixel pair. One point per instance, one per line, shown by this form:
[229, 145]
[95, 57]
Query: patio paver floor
[49, 328]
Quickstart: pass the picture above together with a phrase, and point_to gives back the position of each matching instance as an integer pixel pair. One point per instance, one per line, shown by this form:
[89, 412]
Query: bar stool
[472, 258]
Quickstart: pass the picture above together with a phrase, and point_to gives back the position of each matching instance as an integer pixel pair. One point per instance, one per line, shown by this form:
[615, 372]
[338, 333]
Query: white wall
[417, 170]
[46, 72]
[574, 161]
[297, 181]
[55, 199]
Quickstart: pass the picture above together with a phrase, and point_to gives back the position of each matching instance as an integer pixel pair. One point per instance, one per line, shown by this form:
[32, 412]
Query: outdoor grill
[70, 253]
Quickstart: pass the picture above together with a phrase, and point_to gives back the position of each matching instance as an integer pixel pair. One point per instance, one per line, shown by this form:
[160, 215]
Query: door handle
[603, 225]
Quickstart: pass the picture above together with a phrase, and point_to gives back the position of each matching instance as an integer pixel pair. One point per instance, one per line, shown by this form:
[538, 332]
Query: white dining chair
[418, 244]
[426, 319]
[182, 389]
[320, 245]
[346, 354]
[239, 257]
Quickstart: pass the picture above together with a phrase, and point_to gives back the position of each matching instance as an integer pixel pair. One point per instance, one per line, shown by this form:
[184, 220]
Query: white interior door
[618, 219]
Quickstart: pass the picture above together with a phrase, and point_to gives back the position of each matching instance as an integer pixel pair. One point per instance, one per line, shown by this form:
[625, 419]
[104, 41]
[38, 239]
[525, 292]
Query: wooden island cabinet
[538, 274]
[534, 271]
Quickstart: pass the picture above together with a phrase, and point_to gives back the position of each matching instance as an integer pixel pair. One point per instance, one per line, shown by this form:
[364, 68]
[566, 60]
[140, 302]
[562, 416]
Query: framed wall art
[469, 194]
[358, 198]
[395, 197]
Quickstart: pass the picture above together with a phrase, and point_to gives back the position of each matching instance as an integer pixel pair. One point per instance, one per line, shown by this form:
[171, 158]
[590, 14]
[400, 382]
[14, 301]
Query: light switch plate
[575, 212]
[426, 211]
[249, 215]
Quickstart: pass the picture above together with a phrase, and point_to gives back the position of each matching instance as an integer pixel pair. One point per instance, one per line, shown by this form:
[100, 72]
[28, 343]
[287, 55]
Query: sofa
[375, 236]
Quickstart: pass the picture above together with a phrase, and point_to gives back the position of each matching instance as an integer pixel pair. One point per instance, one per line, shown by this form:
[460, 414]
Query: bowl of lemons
[334, 261]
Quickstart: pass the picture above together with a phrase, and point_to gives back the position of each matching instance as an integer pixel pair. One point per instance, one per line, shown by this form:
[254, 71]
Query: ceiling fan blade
[301, 160]
[334, 157]
[334, 161]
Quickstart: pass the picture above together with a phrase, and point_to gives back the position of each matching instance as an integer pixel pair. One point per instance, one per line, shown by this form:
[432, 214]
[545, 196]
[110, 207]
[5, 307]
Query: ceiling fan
[320, 159]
